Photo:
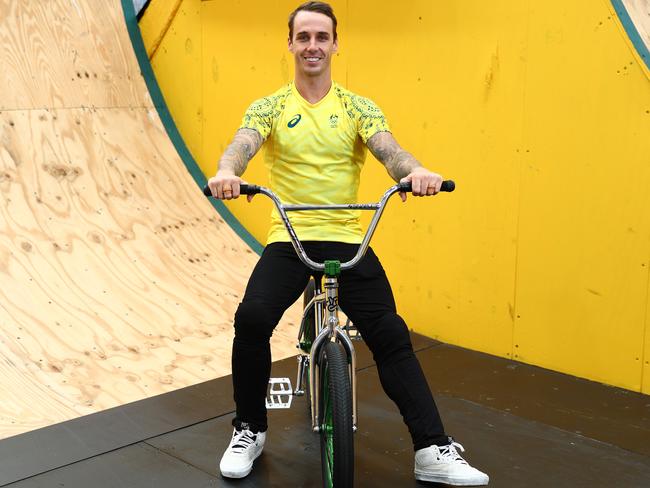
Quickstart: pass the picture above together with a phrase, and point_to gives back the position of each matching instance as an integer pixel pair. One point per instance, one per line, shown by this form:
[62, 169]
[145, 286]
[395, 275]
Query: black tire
[335, 418]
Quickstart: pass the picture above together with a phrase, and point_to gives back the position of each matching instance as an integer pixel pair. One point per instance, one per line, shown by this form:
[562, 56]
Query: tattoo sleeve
[397, 161]
[240, 151]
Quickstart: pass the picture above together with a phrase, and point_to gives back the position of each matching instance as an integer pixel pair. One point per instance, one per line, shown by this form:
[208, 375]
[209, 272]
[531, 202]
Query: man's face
[313, 43]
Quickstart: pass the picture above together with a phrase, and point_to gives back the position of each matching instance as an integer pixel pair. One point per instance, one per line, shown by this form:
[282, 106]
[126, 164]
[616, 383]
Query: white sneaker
[443, 464]
[245, 447]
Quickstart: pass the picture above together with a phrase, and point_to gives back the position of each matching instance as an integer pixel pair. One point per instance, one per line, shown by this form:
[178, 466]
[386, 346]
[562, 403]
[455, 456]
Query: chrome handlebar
[282, 209]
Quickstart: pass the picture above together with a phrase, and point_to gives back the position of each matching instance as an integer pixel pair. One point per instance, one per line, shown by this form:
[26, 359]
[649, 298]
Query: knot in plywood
[61, 171]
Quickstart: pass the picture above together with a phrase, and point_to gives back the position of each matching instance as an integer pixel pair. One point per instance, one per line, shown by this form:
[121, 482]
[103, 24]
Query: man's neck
[313, 89]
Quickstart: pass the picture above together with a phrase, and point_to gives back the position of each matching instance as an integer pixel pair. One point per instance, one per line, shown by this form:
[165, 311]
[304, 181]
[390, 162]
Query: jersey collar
[305, 102]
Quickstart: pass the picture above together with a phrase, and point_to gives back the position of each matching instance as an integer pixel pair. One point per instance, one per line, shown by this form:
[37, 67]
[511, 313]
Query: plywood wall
[118, 280]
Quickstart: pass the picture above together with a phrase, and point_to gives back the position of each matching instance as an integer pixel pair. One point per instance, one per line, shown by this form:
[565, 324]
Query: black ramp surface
[515, 451]
[140, 466]
[58, 445]
[42, 450]
[613, 415]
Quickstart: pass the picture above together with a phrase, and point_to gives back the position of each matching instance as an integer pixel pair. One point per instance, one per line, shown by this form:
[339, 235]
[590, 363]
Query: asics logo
[294, 122]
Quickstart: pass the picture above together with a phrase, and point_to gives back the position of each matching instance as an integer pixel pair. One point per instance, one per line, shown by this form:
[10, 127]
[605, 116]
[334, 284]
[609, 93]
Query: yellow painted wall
[156, 23]
[177, 59]
[645, 385]
[540, 112]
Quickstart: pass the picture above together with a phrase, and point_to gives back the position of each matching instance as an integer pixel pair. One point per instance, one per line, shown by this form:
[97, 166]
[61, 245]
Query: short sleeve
[370, 118]
[259, 116]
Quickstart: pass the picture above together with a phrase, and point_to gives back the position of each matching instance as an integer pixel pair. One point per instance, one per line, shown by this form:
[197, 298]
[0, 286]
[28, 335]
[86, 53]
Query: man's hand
[424, 183]
[225, 186]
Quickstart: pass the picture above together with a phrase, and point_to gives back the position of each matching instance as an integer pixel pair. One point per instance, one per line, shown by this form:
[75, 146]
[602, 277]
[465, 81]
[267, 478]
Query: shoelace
[450, 453]
[242, 440]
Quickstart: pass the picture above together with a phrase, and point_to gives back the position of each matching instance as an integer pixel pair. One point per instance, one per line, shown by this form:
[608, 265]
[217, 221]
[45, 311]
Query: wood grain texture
[118, 280]
[67, 53]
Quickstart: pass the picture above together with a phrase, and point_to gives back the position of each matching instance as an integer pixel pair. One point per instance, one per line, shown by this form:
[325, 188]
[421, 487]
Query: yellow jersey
[314, 155]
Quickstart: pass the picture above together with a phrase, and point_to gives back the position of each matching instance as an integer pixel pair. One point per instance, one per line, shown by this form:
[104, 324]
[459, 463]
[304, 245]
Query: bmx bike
[327, 360]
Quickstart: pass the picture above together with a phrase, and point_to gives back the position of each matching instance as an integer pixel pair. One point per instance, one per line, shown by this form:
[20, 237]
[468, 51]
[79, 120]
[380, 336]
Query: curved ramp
[118, 280]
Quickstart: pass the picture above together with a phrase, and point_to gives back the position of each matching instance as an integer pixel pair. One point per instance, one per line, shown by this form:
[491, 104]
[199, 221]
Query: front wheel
[335, 418]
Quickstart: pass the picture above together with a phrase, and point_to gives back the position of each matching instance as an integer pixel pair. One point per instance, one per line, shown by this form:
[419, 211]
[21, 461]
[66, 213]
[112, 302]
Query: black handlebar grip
[447, 185]
[244, 189]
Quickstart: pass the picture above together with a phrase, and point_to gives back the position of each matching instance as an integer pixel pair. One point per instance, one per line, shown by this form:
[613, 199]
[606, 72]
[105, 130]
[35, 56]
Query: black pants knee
[365, 296]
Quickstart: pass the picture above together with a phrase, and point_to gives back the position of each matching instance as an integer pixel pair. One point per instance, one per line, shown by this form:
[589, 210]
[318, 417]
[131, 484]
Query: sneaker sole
[237, 474]
[450, 480]
[240, 474]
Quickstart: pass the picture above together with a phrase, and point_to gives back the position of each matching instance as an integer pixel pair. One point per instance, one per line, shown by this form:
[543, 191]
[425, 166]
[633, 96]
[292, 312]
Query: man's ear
[289, 43]
[335, 46]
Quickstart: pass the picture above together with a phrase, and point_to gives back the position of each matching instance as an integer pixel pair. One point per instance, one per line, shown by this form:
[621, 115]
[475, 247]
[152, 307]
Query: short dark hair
[319, 7]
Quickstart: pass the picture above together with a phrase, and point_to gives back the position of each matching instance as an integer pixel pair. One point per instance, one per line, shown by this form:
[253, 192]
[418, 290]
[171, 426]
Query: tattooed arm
[402, 166]
[245, 144]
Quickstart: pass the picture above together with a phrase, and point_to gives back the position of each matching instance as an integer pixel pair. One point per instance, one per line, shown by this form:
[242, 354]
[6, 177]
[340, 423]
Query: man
[317, 133]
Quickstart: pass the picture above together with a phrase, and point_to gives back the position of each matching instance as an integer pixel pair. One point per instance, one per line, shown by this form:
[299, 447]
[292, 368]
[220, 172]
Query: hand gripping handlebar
[245, 189]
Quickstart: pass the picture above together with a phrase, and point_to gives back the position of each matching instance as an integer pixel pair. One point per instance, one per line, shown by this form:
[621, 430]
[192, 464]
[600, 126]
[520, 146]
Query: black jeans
[365, 296]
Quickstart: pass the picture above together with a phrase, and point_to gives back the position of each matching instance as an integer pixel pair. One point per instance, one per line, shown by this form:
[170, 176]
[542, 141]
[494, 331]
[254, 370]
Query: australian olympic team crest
[334, 121]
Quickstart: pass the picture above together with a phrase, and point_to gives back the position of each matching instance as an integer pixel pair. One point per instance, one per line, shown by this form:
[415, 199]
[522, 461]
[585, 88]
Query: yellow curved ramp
[118, 280]
[541, 113]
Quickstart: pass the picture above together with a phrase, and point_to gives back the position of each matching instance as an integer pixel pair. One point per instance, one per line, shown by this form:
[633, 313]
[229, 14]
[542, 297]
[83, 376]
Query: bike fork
[331, 331]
